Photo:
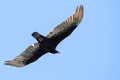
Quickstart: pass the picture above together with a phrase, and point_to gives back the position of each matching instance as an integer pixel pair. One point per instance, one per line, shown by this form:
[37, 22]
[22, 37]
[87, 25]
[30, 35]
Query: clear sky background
[91, 52]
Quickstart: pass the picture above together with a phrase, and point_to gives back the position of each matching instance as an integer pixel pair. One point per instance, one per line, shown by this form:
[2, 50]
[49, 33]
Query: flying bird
[48, 43]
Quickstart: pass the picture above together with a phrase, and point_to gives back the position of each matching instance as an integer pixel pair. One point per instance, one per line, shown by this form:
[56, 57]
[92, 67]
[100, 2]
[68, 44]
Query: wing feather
[32, 53]
[64, 29]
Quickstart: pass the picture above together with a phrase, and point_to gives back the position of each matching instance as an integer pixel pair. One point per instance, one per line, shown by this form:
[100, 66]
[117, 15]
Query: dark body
[48, 44]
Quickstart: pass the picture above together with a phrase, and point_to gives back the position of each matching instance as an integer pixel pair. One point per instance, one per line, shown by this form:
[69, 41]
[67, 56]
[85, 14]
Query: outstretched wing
[32, 53]
[66, 27]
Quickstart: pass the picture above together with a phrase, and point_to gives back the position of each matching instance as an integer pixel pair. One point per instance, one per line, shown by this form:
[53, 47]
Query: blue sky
[92, 52]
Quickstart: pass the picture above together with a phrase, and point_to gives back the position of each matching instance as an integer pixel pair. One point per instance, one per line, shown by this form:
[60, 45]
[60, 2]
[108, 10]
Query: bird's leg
[38, 36]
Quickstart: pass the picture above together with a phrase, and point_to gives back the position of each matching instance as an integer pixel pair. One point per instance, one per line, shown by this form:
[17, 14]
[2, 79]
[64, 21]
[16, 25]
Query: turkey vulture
[48, 43]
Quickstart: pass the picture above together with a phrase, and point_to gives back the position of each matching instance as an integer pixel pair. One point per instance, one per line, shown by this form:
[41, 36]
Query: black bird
[48, 43]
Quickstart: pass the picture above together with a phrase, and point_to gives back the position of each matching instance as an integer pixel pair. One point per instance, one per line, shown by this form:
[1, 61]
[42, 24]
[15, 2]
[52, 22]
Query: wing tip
[81, 6]
[78, 15]
[14, 63]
